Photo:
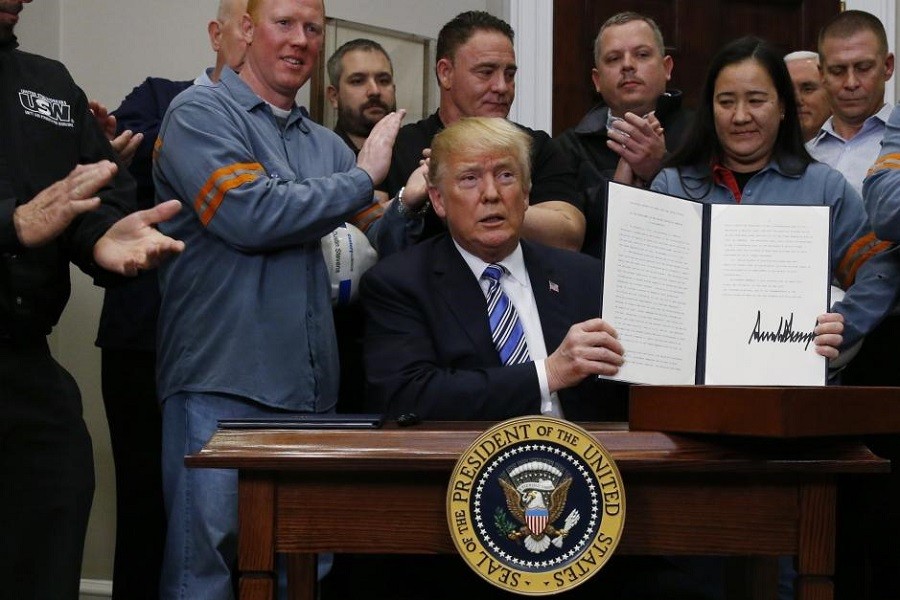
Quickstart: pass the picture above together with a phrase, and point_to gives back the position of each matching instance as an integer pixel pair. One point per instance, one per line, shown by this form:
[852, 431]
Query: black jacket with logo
[47, 129]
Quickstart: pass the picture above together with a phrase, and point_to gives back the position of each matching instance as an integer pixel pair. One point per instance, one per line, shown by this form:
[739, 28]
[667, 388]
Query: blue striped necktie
[506, 329]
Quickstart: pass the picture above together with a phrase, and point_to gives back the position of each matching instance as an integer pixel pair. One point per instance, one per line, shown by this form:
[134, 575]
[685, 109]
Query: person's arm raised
[375, 155]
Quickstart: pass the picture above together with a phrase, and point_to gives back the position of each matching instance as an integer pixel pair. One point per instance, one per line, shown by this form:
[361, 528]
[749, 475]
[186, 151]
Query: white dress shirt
[517, 286]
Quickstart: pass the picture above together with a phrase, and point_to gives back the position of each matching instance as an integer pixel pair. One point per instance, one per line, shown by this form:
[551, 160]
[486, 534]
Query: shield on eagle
[536, 519]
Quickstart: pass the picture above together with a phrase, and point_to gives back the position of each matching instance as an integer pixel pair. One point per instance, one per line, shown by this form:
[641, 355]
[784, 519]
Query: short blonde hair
[481, 134]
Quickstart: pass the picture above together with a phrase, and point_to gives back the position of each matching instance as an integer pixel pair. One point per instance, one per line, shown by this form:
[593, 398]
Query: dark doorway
[693, 30]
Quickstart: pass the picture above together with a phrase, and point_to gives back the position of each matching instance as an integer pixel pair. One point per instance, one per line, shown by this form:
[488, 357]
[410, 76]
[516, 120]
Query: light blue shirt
[205, 78]
[853, 157]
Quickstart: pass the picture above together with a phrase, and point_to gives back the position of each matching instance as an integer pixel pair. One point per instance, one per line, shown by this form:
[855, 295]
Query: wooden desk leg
[256, 537]
[816, 552]
[302, 576]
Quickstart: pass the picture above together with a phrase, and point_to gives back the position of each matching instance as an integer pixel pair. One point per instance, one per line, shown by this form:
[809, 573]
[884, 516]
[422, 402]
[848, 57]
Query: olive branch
[502, 522]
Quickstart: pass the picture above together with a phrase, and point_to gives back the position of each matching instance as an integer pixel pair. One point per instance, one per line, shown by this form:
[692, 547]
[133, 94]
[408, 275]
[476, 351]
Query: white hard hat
[348, 254]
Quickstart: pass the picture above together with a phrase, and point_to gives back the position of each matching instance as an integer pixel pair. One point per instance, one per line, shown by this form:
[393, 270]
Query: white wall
[111, 46]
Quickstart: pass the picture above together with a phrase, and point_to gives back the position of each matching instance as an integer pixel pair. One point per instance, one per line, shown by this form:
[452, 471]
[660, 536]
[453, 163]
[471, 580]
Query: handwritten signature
[785, 333]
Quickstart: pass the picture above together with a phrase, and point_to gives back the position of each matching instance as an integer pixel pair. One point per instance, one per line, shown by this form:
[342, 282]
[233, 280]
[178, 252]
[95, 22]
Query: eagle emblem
[536, 492]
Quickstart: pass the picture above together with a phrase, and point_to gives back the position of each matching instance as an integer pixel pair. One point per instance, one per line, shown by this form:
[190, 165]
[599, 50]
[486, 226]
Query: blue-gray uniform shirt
[881, 190]
[246, 308]
[869, 270]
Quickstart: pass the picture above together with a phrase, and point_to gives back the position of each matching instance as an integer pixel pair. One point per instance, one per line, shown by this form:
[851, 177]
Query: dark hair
[463, 26]
[334, 66]
[702, 147]
[851, 22]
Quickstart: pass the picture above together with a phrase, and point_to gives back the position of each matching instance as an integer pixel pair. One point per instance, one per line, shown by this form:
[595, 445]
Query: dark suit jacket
[428, 346]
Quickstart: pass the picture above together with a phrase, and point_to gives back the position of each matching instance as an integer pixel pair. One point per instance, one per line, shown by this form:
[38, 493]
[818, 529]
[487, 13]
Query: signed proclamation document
[715, 294]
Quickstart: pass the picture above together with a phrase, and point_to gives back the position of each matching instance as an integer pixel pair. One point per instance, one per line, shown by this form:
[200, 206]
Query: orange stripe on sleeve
[223, 189]
[853, 250]
[856, 256]
[886, 161]
[364, 218]
[876, 249]
[221, 173]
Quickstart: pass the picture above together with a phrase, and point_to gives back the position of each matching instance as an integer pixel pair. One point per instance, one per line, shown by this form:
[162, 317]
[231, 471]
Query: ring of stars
[583, 472]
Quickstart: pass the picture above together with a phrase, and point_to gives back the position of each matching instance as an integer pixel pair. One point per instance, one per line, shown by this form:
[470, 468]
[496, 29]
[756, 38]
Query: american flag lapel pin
[554, 287]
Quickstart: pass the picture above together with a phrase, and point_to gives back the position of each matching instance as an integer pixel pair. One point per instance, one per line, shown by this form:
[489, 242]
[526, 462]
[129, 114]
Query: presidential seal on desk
[536, 505]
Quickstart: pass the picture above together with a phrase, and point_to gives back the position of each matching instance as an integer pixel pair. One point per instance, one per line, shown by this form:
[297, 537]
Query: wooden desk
[304, 492]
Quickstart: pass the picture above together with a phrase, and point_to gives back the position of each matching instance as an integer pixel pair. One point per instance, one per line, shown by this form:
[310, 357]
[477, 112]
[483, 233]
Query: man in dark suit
[445, 342]
[429, 347]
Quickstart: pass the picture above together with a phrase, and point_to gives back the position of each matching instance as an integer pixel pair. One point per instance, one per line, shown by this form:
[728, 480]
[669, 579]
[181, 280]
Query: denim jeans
[201, 504]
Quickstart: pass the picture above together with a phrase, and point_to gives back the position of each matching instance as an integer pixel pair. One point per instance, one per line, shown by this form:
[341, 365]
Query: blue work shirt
[868, 269]
[246, 308]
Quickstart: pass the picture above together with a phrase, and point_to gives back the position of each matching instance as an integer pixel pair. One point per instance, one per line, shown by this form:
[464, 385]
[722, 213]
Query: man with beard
[62, 199]
[362, 89]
